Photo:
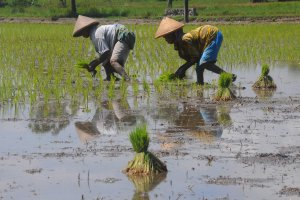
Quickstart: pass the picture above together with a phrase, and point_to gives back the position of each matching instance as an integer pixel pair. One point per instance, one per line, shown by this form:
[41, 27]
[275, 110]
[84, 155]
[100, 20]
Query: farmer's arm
[94, 63]
[102, 48]
[190, 54]
[190, 60]
[180, 73]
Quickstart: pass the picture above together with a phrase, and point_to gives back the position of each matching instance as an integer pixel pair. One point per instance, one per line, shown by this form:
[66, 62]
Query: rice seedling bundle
[82, 64]
[144, 162]
[166, 77]
[224, 93]
[265, 81]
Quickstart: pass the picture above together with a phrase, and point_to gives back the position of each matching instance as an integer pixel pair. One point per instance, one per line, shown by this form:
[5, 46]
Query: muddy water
[245, 149]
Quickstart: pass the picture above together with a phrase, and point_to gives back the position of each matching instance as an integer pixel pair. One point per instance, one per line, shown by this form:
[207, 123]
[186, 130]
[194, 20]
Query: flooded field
[247, 148]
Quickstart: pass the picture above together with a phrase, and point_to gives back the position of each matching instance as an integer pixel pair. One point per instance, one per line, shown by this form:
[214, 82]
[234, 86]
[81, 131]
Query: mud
[247, 148]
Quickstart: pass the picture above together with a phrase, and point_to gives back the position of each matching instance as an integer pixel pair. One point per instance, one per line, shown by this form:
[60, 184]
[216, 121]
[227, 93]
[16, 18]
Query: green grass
[206, 9]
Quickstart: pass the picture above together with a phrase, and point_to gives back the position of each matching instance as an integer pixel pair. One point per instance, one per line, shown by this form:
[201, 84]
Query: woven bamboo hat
[166, 26]
[82, 23]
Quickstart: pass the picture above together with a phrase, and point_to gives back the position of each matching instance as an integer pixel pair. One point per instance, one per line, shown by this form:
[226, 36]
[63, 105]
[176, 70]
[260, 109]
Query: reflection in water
[145, 184]
[189, 118]
[205, 123]
[215, 119]
[86, 131]
[223, 116]
[111, 118]
[264, 94]
[52, 116]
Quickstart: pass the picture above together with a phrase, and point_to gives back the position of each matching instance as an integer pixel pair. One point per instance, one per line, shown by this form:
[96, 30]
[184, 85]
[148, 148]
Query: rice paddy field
[65, 134]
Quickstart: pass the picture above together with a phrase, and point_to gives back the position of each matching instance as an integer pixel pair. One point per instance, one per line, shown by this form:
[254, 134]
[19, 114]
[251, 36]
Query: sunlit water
[81, 156]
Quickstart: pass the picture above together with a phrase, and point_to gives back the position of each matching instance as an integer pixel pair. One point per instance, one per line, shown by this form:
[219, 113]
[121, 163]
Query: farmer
[199, 46]
[112, 44]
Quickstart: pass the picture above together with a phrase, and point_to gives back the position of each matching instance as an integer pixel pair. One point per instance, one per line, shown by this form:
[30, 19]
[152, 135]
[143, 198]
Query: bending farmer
[199, 46]
[112, 42]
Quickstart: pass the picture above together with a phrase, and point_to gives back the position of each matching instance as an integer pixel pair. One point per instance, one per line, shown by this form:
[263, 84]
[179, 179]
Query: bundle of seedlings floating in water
[144, 162]
[265, 81]
[224, 93]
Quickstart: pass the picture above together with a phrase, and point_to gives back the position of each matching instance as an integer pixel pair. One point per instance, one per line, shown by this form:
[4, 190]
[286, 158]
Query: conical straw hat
[82, 23]
[166, 26]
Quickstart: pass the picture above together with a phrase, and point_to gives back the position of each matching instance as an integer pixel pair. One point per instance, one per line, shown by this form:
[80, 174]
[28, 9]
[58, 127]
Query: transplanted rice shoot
[167, 76]
[139, 139]
[265, 81]
[82, 64]
[144, 162]
[224, 93]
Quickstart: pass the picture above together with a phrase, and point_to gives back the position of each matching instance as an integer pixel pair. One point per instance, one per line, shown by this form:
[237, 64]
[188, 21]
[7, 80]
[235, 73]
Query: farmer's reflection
[205, 123]
[202, 123]
[111, 118]
[50, 117]
[145, 184]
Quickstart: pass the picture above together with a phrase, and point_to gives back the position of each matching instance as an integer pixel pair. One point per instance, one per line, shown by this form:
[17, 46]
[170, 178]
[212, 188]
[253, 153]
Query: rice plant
[224, 93]
[144, 162]
[166, 77]
[265, 81]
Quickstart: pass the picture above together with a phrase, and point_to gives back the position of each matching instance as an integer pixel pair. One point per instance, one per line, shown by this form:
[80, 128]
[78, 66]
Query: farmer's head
[83, 26]
[169, 29]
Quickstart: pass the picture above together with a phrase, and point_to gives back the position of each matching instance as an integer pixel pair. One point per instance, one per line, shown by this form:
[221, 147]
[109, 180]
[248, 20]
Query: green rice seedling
[99, 89]
[123, 88]
[82, 64]
[135, 88]
[167, 77]
[265, 81]
[139, 139]
[224, 93]
[111, 88]
[146, 87]
[144, 162]
[158, 86]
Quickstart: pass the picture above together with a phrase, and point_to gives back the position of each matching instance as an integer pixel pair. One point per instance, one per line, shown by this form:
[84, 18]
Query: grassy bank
[206, 9]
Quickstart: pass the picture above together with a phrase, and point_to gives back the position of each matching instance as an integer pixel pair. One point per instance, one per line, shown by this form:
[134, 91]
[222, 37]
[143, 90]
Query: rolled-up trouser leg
[118, 58]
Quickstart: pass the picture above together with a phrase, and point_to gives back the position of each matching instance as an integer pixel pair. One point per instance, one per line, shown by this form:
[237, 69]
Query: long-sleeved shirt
[194, 42]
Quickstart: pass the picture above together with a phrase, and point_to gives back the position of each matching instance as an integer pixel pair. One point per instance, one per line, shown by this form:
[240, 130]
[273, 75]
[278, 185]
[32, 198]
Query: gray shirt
[104, 37]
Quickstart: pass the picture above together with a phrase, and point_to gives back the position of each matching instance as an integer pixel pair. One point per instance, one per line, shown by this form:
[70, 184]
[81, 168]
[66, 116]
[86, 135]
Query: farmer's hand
[93, 73]
[92, 70]
[179, 74]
